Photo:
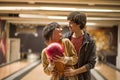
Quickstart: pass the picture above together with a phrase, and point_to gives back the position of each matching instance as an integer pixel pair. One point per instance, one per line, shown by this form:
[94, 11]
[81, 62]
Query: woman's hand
[59, 59]
[51, 65]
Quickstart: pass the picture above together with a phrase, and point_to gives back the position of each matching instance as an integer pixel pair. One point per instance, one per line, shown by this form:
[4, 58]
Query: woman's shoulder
[65, 40]
[44, 50]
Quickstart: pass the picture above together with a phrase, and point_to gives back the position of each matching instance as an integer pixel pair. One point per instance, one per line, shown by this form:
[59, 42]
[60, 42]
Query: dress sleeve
[70, 52]
[46, 66]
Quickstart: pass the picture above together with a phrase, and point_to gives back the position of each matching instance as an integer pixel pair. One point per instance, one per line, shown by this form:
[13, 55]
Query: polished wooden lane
[12, 68]
[36, 74]
[108, 72]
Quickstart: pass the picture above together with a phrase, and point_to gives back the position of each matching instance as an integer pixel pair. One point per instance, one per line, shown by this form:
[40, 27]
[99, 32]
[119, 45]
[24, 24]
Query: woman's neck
[51, 41]
[58, 41]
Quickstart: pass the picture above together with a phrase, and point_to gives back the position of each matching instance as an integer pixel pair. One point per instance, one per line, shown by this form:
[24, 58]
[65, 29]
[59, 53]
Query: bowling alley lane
[36, 74]
[12, 68]
[105, 71]
[108, 72]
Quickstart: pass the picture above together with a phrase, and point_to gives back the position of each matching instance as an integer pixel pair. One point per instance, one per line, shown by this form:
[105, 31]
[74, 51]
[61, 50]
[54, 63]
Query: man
[84, 45]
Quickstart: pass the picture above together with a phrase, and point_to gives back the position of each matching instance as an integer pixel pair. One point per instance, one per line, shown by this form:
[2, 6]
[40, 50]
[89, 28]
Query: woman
[53, 33]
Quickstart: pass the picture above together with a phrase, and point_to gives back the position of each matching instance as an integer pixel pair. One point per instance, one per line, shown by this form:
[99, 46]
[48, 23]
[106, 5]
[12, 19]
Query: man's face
[73, 26]
[57, 34]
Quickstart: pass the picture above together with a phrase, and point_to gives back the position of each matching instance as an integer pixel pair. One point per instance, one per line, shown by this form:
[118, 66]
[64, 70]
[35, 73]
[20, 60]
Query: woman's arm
[47, 66]
[70, 53]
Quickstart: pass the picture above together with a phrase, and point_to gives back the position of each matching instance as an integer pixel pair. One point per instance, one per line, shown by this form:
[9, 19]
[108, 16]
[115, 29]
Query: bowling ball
[54, 49]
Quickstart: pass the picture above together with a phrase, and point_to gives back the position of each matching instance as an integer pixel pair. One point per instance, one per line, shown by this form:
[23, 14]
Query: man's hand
[70, 72]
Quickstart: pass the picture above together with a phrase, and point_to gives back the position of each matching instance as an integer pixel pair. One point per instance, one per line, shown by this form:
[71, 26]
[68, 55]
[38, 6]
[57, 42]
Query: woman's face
[57, 34]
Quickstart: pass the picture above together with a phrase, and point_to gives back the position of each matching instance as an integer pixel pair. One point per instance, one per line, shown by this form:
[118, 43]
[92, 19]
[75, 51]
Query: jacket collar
[86, 38]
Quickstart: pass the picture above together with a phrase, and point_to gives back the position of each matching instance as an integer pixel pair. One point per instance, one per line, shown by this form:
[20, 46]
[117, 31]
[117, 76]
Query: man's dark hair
[78, 18]
[48, 30]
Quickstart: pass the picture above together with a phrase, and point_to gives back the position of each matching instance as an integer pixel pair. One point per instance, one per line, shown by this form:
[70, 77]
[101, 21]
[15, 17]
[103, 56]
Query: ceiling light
[56, 8]
[18, 8]
[62, 17]
[90, 24]
[57, 17]
[95, 10]
[78, 9]
[31, 16]
[99, 18]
